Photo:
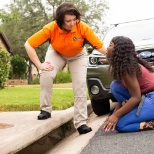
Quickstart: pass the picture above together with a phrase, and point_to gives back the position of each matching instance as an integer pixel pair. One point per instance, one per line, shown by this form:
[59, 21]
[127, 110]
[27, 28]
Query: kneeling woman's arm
[133, 87]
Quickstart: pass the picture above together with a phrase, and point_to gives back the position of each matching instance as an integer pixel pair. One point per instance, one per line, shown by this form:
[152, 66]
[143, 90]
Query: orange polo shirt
[66, 43]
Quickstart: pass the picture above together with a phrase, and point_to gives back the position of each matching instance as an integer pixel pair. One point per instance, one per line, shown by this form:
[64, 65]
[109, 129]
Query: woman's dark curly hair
[66, 9]
[124, 59]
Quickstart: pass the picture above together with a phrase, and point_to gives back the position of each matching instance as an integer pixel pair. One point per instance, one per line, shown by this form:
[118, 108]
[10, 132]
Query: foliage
[4, 67]
[61, 77]
[5, 18]
[35, 81]
[19, 66]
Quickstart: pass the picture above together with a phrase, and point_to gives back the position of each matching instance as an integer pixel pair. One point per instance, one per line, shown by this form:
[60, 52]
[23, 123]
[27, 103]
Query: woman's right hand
[46, 66]
[110, 123]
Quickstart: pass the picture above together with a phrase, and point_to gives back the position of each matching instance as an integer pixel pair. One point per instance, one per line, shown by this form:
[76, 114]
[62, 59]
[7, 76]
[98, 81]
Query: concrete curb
[27, 129]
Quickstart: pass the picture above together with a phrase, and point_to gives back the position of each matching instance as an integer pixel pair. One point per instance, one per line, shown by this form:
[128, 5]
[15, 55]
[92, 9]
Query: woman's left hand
[110, 123]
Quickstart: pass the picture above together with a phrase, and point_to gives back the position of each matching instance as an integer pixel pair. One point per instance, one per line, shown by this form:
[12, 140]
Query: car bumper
[103, 93]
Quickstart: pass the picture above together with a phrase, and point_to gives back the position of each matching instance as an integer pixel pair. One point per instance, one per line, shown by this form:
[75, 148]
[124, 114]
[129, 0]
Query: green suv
[98, 77]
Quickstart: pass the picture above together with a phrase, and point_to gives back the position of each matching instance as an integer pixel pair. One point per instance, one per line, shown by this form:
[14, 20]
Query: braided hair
[124, 59]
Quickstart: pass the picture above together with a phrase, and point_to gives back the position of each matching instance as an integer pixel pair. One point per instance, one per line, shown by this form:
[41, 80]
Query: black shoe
[83, 129]
[44, 115]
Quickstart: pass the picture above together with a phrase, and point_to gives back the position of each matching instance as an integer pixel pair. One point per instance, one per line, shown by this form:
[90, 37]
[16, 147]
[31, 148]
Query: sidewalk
[25, 129]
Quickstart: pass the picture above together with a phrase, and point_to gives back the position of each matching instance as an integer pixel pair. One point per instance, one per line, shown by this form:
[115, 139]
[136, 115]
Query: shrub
[19, 66]
[35, 81]
[4, 67]
[61, 77]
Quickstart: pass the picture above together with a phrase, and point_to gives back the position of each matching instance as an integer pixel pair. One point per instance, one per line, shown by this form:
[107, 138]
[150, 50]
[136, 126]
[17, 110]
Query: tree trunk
[30, 78]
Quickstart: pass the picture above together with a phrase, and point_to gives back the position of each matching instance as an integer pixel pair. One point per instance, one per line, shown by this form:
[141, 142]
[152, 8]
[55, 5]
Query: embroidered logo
[75, 38]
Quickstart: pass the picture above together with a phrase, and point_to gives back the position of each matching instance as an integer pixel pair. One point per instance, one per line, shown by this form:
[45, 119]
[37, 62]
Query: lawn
[26, 97]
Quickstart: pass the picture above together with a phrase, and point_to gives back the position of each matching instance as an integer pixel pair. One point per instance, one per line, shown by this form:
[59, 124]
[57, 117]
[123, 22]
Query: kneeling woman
[133, 87]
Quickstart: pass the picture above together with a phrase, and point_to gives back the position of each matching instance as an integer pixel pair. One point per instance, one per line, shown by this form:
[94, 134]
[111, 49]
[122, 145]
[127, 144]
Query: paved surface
[75, 143]
[121, 143]
[25, 128]
[20, 129]
[99, 142]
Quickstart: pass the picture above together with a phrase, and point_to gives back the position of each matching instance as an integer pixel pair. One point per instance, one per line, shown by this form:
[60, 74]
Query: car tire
[100, 107]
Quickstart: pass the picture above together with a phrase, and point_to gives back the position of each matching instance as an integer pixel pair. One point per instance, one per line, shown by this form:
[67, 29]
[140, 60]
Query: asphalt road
[121, 143]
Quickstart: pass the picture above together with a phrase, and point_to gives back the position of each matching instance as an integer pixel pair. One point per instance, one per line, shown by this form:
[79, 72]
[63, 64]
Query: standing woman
[133, 88]
[67, 35]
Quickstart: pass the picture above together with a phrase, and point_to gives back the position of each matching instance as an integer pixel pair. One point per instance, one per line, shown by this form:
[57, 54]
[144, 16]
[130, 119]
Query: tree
[30, 16]
[24, 18]
[19, 66]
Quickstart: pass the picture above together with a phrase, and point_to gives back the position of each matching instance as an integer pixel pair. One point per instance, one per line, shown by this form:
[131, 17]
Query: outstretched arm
[103, 50]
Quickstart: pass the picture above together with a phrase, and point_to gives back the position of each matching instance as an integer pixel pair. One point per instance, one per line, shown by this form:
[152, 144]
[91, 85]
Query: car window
[137, 31]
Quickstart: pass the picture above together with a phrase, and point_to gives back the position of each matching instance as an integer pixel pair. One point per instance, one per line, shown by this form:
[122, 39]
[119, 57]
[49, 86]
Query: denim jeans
[130, 122]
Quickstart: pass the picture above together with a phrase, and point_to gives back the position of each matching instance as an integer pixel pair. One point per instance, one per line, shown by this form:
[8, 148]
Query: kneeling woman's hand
[110, 123]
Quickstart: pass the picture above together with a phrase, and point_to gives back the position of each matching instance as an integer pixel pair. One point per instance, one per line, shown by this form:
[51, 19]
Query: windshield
[137, 31]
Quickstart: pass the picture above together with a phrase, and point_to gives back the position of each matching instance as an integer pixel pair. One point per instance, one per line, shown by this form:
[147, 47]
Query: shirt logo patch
[75, 38]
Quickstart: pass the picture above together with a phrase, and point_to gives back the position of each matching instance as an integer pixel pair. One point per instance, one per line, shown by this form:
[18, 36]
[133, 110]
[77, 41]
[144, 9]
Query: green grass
[26, 97]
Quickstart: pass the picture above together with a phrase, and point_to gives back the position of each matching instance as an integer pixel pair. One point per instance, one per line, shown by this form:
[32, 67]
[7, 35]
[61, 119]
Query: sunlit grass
[26, 97]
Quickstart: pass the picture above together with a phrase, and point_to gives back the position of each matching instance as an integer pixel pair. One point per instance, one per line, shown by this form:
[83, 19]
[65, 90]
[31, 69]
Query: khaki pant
[78, 69]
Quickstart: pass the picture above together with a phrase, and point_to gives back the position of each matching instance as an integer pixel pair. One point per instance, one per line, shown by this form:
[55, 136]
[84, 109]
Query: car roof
[134, 21]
